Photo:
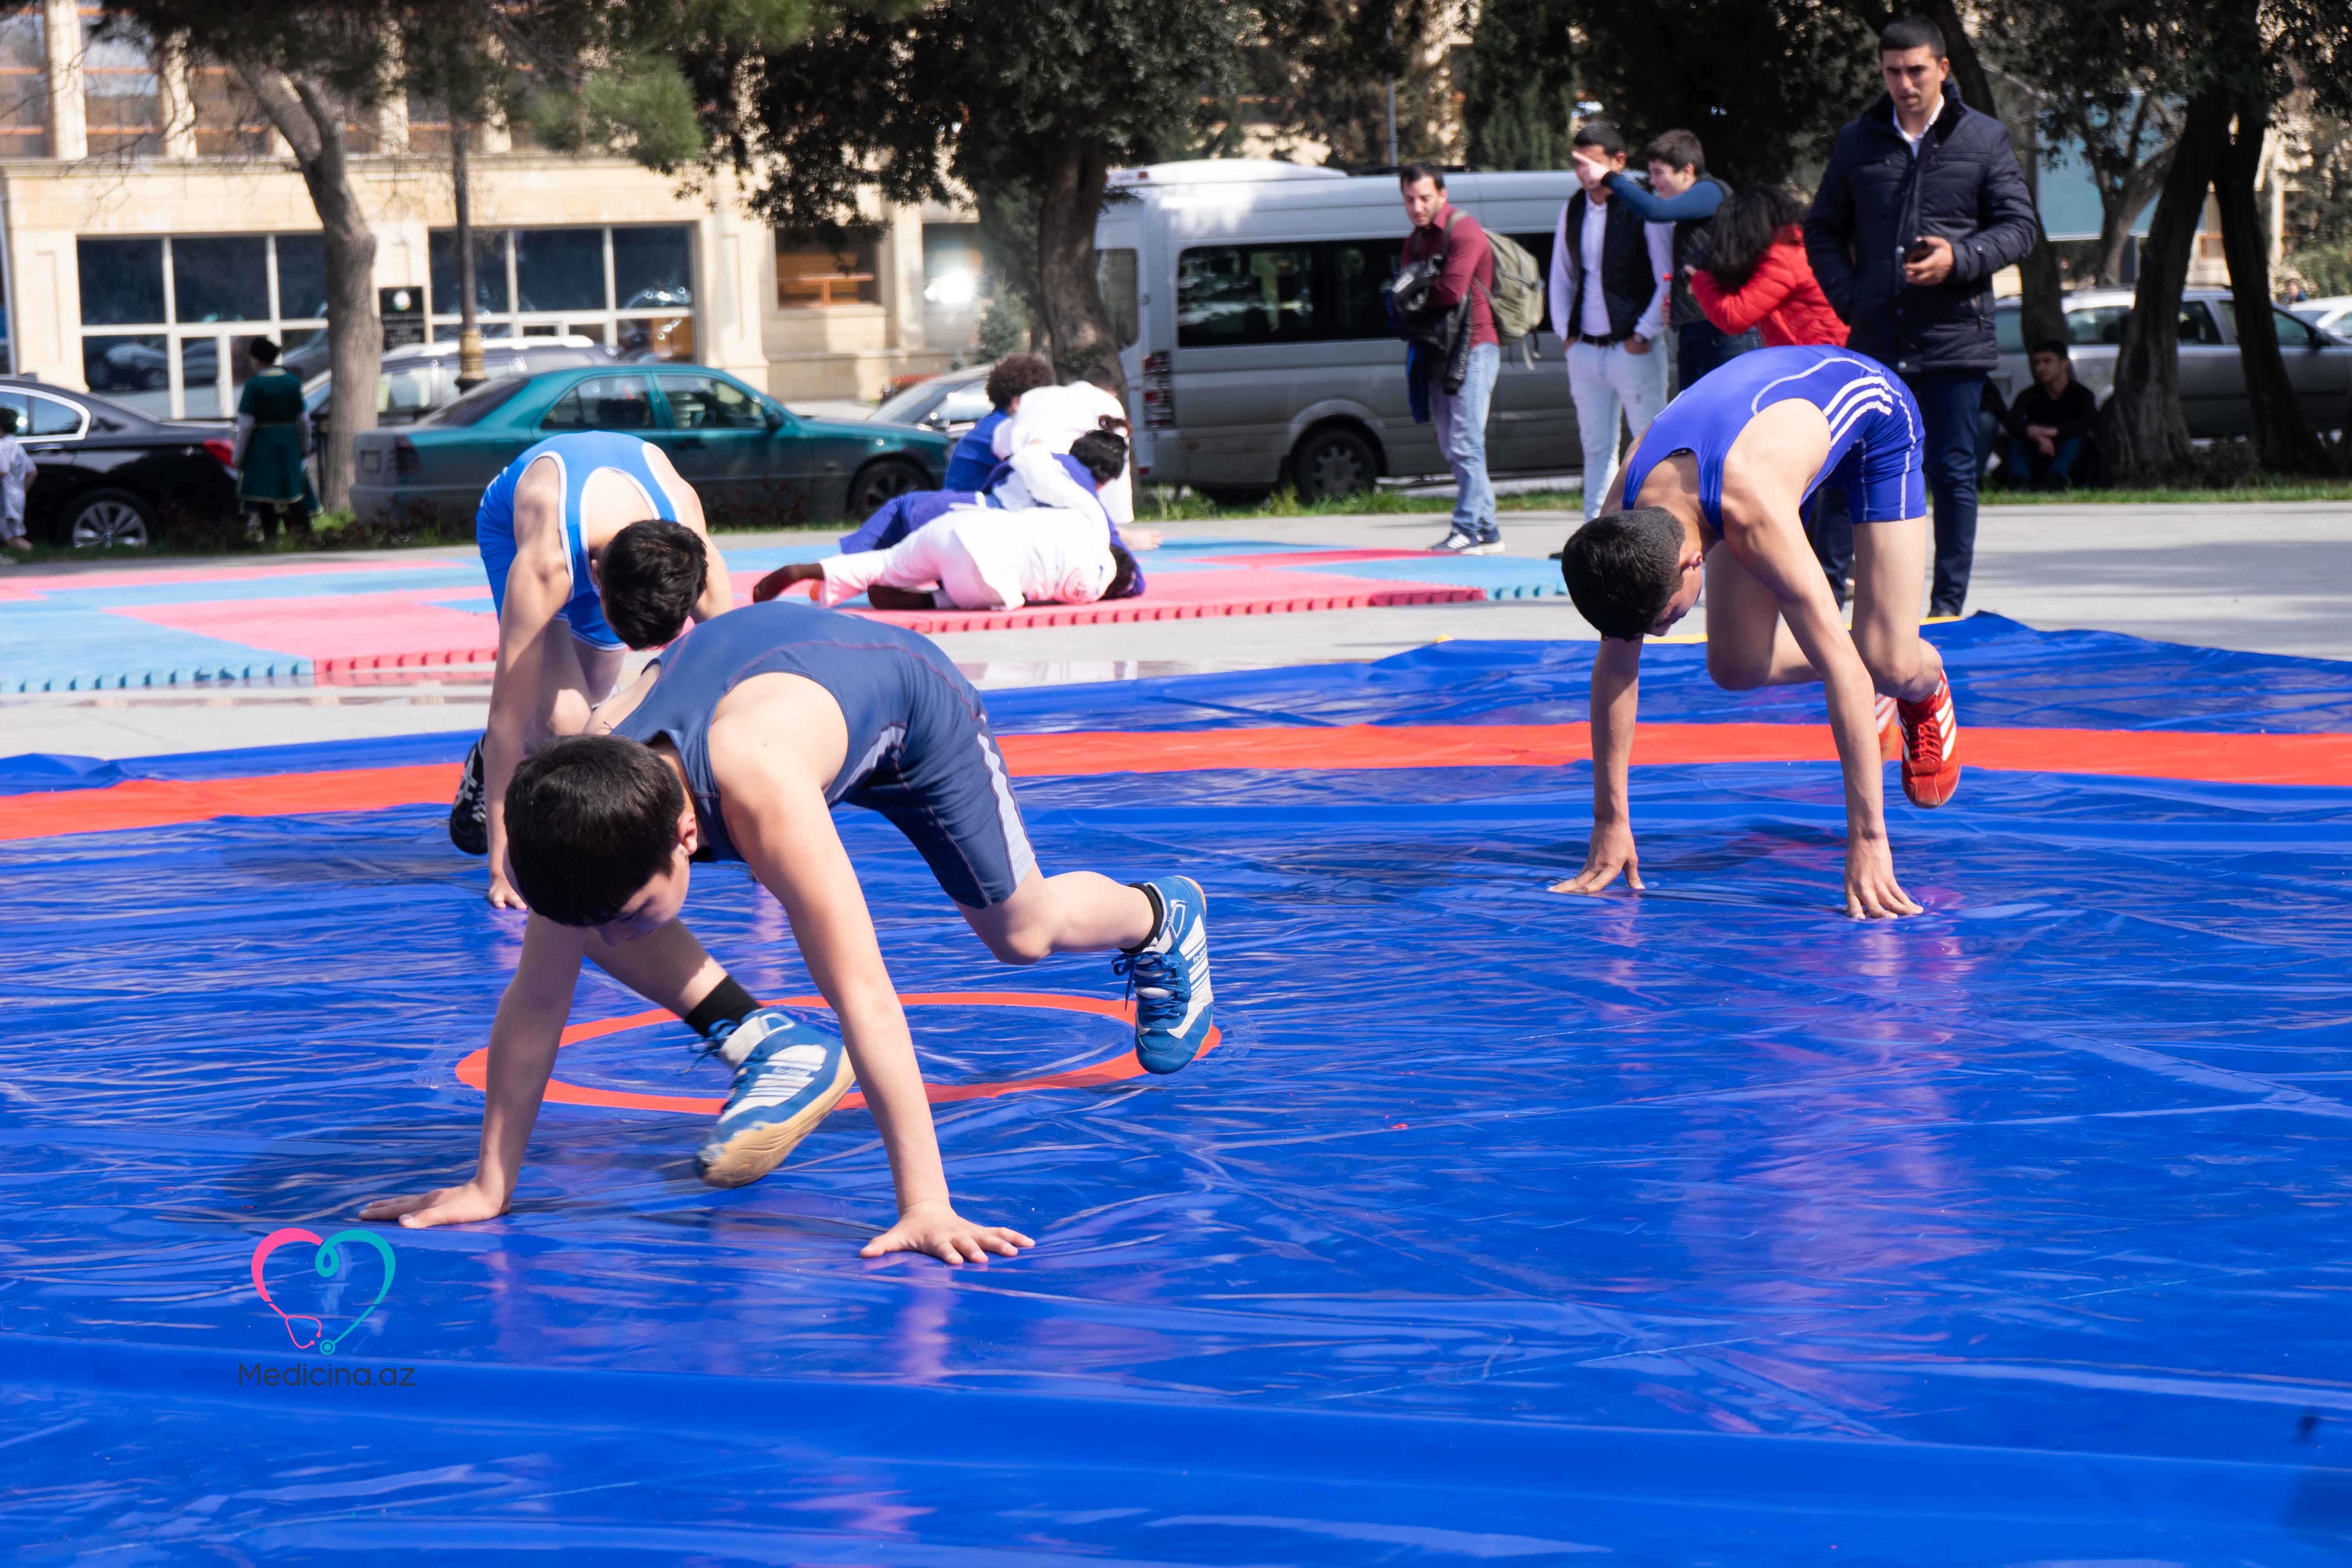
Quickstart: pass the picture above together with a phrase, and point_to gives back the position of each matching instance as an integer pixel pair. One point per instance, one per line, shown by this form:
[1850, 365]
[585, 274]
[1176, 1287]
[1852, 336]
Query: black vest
[1692, 235]
[1626, 286]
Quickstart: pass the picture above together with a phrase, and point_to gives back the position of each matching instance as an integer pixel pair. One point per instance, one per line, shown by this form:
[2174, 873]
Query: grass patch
[2233, 495]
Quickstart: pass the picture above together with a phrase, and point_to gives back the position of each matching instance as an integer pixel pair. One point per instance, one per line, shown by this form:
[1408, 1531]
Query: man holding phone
[1921, 203]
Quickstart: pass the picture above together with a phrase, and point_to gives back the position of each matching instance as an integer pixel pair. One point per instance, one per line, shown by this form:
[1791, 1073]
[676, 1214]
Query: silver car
[2212, 381]
[950, 404]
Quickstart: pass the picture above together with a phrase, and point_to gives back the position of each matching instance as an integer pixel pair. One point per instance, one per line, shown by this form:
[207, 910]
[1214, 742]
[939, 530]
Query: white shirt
[1053, 417]
[15, 473]
[1037, 555]
[1565, 312]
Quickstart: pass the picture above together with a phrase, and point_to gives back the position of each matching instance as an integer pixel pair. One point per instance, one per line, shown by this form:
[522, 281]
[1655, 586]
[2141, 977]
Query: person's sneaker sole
[752, 1152]
[470, 824]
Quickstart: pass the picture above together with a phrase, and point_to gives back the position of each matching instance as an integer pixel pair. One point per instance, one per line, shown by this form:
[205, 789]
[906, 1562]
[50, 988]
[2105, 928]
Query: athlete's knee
[568, 714]
[1735, 672]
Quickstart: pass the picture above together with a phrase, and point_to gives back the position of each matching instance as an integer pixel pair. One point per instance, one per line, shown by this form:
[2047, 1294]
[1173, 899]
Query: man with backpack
[1456, 352]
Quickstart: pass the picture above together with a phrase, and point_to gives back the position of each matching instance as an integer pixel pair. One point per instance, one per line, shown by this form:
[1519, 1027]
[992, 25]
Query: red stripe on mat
[1117, 611]
[2320, 760]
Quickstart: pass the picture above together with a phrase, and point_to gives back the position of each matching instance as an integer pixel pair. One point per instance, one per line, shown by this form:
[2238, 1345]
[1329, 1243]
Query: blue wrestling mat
[1700, 1227]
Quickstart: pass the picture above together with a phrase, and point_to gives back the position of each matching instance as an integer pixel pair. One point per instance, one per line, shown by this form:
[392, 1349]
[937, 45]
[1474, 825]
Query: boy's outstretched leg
[1160, 929]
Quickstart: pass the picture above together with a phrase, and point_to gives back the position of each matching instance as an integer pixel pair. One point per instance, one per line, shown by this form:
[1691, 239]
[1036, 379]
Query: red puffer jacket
[1782, 296]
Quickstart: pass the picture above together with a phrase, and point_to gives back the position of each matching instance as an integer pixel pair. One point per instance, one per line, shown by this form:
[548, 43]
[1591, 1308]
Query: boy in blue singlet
[593, 546]
[1715, 492]
[737, 746]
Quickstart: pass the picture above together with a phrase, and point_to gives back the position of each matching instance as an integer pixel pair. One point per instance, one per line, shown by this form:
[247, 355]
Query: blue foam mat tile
[1502, 576]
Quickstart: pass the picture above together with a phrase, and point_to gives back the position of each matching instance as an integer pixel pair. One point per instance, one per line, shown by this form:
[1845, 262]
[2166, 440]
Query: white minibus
[1247, 299]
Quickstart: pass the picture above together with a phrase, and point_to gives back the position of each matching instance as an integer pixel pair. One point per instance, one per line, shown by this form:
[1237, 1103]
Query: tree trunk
[312, 123]
[2146, 436]
[1065, 264]
[2043, 306]
[2284, 439]
[2118, 206]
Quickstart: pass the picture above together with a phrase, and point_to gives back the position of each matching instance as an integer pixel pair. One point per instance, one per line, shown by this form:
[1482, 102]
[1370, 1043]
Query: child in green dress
[272, 430]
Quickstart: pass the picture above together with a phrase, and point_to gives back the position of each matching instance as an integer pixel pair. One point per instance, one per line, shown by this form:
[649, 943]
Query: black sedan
[107, 475]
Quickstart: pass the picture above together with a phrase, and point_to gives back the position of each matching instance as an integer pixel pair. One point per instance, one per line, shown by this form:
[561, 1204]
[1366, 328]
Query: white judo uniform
[1053, 417]
[1047, 544]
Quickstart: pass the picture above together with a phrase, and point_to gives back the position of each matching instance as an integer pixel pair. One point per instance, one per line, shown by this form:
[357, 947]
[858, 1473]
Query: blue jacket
[1876, 197]
[975, 456]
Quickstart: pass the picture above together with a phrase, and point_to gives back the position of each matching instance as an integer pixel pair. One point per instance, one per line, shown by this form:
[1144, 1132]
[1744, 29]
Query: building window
[955, 272]
[121, 96]
[168, 324]
[23, 86]
[629, 288]
[813, 277]
[228, 121]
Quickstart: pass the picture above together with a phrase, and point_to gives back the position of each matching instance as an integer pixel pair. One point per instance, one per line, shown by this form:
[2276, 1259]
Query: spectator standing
[1464, 284]
[273, 431]
[1757, 278]
[975, 456]
[16, 476]
[1921, 203]
[1611, 281]
[2052, 426]
[1681, 193]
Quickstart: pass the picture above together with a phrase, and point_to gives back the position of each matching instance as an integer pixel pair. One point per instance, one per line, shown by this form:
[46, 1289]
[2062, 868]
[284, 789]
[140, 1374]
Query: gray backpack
[1517, 300]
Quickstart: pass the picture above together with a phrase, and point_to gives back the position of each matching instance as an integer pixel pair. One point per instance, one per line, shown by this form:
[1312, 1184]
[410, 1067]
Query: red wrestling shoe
[1890, 730]
[1931, 757]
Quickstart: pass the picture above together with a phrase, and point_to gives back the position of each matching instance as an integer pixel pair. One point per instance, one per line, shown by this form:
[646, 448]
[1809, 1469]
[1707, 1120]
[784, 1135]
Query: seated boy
[1715, 492]
[737, 746]
[1060, 548]
[2052, 426]
[593, 546]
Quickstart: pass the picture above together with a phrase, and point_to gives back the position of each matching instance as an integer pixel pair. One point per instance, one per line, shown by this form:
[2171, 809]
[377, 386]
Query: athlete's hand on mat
[502, 895]
[935, 1228]
[443, 1205]
[1609, 852]
[1871, 890]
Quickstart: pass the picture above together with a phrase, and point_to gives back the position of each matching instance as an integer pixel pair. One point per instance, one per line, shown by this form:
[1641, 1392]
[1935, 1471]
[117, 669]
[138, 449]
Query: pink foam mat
[337, 630]
[1192, 595]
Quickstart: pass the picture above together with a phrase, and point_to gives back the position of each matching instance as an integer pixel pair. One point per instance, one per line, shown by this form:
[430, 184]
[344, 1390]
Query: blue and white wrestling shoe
[1170, 977]
[788, 1075]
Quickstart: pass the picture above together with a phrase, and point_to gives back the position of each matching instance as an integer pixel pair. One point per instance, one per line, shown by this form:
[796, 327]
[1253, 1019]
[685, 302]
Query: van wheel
[1333, 463]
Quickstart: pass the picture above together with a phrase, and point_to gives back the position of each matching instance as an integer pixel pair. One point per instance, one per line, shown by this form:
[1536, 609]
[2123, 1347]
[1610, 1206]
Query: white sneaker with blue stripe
[1170, 977]
[788, 1075]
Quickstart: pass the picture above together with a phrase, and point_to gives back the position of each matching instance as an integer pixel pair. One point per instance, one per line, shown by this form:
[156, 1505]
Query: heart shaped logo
[330, 1262]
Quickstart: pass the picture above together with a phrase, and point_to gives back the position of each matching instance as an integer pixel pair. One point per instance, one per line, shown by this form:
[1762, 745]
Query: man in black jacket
[1922, 203]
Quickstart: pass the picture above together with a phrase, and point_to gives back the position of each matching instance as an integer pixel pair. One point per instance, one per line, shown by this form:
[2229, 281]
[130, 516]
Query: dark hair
[2052, 346]
[1912, 33]
[590, 821]
[1413, 173]
[1601, 135]
[261, 351]
[7, 422]
[1621, 570]
[1014, 374]
[1103, 454]
[1744, 229]
[1676, 150]
[1100, 375]
[652, 575]
[1122, 577]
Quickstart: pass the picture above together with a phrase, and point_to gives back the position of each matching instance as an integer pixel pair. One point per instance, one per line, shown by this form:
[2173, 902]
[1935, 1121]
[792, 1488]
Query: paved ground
[2270, 579]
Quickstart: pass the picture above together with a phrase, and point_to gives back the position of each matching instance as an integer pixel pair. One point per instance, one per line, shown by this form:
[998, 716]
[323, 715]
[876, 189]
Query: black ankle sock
[1159, 915]
[728, 1003]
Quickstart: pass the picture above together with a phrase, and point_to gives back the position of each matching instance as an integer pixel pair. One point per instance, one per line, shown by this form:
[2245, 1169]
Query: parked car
[950, 404]
[2332, 315]
[417, 379]
[750, 459]
[109, 475]
[2212, 381]
[141, 367]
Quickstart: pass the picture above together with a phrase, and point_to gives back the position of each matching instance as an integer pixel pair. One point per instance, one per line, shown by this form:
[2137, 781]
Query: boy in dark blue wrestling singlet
[1714, 494]
[737, 745]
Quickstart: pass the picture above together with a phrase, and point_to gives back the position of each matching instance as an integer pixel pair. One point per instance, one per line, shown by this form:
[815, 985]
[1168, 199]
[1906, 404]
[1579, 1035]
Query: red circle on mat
[474, 1071]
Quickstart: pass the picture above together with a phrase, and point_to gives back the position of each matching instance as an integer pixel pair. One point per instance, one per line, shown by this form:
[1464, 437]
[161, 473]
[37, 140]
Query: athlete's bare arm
[1764, 479]
[718, 592]
[773, 791]
[522, 1053]
[537, 586]
[1616, 692]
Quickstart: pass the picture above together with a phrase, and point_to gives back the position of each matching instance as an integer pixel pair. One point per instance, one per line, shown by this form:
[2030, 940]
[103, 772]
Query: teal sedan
[753, 462]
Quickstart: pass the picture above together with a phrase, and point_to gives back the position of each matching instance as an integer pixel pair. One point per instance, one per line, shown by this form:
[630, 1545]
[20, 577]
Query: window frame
[176, 333]
[606, 324]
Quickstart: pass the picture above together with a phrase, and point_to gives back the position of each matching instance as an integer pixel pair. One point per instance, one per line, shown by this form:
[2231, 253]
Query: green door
[717, 437]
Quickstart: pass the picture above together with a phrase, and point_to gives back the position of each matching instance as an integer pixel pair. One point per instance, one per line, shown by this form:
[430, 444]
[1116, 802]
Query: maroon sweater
[1467, 256]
